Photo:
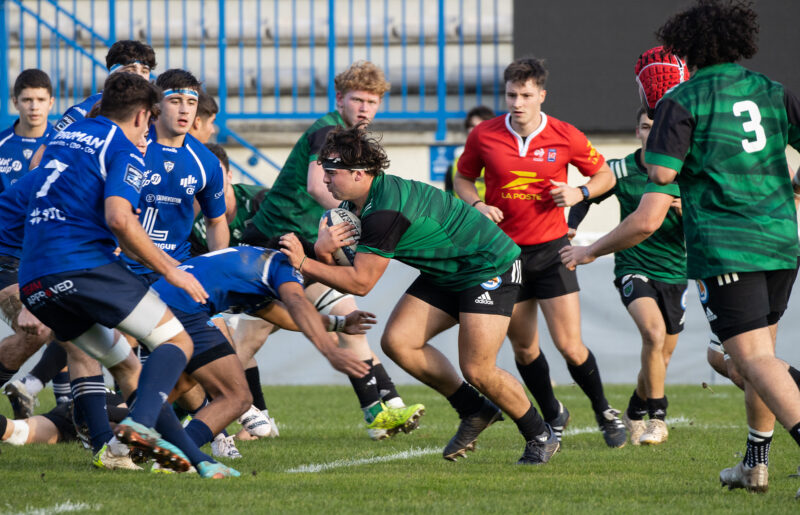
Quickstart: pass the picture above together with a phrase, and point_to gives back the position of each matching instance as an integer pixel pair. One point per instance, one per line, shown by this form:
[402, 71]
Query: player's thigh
[413, 322]
[42, 430]
[480, 337]
[222, 376]
[250, 335]
[648, 318]
[523, 329]
[563, 317]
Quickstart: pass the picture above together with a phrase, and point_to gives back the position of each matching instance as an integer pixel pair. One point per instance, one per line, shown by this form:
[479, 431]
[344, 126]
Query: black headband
[336, 163]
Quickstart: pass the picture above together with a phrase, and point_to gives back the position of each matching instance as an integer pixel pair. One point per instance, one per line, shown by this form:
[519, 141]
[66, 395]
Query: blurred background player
[298, 198]
[203, 125]
[525, 156]
[475, 116]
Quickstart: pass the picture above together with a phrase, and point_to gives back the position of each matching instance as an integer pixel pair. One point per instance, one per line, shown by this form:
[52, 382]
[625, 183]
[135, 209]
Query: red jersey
[518, 173]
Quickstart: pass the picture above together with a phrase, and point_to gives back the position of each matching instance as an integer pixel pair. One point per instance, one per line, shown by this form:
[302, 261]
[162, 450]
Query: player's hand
[293, 249]
[565, 195]
[28, 322]
[571, 233]
[334, 237]
[677, 206]
[572, 256]
[188, 283]
[346, 361]
[495, 214]
[358, 322]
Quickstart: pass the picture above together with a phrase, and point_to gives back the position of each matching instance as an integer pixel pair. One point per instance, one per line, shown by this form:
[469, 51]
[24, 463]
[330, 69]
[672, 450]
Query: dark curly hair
[126, 51]
[712, 32]
[356, 149]
[125, 93]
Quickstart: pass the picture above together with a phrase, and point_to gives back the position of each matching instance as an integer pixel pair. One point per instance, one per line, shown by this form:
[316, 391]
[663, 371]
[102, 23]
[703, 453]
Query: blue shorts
[209, 342]
[71, 302]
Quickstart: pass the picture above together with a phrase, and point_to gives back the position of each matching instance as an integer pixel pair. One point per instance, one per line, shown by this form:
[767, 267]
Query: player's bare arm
[465, 188]
[217, 232]
[661, 175]
[358, 279]
[307, 319]
[636, 228]
[565, 195]
[316, 188]
[357, 322]
[124, 223]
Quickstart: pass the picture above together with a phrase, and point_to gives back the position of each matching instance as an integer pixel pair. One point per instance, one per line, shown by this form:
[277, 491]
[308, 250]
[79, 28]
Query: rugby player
[468, 276]
[525, 156]
[296, 202]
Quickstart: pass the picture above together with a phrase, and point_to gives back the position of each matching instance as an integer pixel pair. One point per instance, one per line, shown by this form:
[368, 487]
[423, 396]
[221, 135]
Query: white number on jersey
[57, 167]
[753, 125]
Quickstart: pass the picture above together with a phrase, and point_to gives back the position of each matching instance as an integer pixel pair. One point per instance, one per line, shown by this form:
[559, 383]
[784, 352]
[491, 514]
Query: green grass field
[324, 462]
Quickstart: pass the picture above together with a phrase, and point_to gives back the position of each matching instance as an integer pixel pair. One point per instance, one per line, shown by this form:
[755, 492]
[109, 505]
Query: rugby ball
[344, 256]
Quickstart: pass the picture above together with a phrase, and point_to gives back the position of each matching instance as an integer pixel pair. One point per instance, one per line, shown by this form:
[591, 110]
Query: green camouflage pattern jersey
[248, 198]
[450, 243]
[725, 131]
[662, 256]
[288, 207]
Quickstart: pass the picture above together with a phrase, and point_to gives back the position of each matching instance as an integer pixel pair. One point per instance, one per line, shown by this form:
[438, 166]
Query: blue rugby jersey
[66, 228]
[239, 279]
[77, 112]
[13, 212]
[16, 153]
[178, 175]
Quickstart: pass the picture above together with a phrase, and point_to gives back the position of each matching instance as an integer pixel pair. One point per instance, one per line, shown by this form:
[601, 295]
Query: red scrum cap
[658, 71]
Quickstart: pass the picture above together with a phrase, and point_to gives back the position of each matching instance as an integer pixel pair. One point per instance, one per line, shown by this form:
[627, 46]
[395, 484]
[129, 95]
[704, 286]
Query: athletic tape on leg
[328, 299]
[98, 342]
[162, 333]
[144, 318]
[19, 435]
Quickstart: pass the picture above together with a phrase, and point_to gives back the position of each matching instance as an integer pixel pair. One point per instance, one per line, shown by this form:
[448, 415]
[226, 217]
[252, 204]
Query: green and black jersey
[288, 207]
[248, 198]
[725, 131]
[450, 243]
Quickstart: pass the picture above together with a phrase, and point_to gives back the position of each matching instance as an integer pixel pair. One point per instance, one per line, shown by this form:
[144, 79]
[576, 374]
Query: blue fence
[273, 59]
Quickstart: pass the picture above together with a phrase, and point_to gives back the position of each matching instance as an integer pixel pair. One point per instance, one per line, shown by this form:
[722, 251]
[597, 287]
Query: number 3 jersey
[176, 176]
[65, 227]
[725, 131]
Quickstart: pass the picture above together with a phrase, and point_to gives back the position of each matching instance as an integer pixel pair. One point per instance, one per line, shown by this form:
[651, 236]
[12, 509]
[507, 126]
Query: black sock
[657, 408]
[386, 387]
[795, 375]
[795, 432]
[531, 424]
[637, 407]
[254, 383]
[365, 387]
[757, 448]
[3, 425]
[466, 400]
[6, 374]
[54, 358]
[587, 376]
[536, 375]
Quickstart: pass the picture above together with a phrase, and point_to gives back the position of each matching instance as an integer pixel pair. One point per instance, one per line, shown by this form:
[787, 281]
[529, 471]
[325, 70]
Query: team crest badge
[492, 284]
[551, 155]
[27, 153]
[168, 166]
[627, 288]
[703, 291]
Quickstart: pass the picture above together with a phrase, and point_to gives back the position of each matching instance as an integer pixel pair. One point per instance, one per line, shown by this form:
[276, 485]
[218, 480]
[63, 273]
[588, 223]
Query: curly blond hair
[362, 76]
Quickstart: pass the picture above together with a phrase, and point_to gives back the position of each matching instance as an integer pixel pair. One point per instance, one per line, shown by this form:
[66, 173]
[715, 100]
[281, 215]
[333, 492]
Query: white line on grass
[677, 421]
[64, 507]
[321, 467]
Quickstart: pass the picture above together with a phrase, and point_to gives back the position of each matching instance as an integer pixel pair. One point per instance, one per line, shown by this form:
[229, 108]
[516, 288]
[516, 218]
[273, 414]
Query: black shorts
[735, 303]
[543, 274]
[71, 302]
[61, 416]
[496, 296]
[671, 298]
[9, 268]
[209, 342]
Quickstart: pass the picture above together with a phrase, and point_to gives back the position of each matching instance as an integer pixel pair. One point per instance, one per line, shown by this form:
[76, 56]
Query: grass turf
[321, 433]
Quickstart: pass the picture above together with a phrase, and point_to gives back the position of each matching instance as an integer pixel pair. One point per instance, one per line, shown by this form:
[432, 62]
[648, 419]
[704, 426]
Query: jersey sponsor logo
[16, 166]
[27, 153]
[64, 122]
[46, 215]
[219, 194]
[189, 183]
[538, 154]
[168, 166]
[523, 180]
[485, 298]
[702, 291]
[492, 284]
[35, 294]
[6, 165]
[594, 155]
[710, 314]
[149, 225]
[551, 155]
[155, 179]
[134, 177]
[150, 198]
[81, 137]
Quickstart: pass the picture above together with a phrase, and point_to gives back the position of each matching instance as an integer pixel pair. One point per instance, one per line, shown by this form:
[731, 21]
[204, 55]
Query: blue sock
[158, 377]
[61, 388]
[172, 431]
[89, 394]
[199, 432]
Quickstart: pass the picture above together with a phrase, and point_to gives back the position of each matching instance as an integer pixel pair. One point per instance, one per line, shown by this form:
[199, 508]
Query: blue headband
[190, 92]
[117, 66]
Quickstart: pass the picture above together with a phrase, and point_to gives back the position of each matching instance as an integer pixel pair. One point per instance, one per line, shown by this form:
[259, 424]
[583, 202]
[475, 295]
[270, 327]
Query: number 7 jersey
[725, 131]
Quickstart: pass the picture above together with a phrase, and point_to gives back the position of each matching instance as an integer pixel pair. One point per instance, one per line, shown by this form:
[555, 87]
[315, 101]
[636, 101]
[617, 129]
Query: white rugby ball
[344, 256]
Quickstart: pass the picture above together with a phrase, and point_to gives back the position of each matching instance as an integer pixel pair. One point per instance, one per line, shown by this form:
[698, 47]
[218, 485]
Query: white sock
[32, 384]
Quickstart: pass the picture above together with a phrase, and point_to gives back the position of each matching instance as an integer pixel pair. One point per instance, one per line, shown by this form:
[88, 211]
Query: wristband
[336, 323]
[473, 204]
[585, 192]
[302, 261]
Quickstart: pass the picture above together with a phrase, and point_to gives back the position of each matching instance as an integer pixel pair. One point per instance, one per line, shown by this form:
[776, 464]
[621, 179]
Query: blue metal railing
[273, 59]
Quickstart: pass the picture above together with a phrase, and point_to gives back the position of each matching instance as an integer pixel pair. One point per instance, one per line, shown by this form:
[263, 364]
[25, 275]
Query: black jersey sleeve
[317, 139]
[672, 130]
[792, 104]
[382, 231]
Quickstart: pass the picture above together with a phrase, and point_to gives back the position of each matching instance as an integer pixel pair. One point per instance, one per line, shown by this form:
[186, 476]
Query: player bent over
[468, 276]
[85, 205]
